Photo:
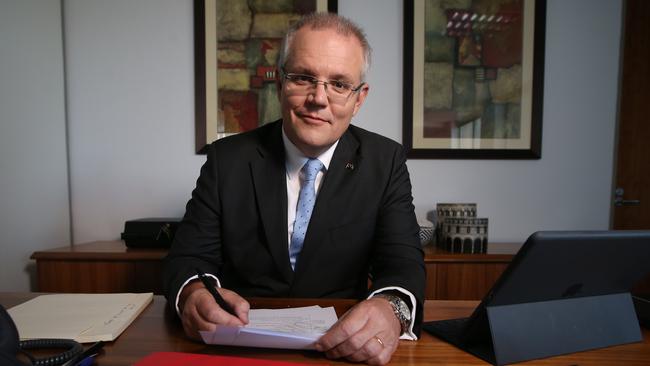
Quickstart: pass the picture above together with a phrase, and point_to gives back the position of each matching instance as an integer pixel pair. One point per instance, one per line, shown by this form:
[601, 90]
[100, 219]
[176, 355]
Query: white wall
[131, 112]
[34, 210]
[129, 74]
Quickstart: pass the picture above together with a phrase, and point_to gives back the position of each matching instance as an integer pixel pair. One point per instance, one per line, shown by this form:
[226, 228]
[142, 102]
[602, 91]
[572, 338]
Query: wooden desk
[157, 329]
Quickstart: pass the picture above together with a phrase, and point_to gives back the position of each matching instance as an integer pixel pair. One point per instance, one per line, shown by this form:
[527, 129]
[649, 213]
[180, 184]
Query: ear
[361, 97]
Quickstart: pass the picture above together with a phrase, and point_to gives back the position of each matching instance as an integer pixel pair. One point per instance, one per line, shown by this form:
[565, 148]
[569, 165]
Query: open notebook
[82, 317]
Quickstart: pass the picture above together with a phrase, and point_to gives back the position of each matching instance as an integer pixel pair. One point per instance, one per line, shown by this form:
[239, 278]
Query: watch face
[400, 309]
[404, 310]
[400, 306]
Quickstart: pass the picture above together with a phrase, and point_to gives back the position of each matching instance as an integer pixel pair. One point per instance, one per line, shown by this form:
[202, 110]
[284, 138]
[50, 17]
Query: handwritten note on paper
[292, 328]
[82, 317]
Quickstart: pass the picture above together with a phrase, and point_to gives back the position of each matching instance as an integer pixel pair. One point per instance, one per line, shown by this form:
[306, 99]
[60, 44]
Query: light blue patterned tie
[306, 200]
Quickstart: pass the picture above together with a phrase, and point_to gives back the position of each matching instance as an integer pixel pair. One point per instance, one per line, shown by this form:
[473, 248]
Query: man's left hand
[369, 332]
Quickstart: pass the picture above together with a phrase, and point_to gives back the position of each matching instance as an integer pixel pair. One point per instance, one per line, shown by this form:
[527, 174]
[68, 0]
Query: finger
[340, 332]
[215, 314]
[370, 349]
[241, 310]
[208, 310]
[381, 359]
[238, 304]
[192, 328]
[360, 343]
[193, 322]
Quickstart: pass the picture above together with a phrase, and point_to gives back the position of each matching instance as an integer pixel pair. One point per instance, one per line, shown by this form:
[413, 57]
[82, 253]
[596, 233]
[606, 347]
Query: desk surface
[157, 330]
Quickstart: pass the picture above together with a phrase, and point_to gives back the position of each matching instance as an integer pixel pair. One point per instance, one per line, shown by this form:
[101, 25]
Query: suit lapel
[269, 179]
[339, 175]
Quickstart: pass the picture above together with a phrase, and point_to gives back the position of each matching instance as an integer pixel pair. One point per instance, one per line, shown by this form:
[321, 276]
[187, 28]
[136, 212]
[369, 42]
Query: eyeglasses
[337, 90]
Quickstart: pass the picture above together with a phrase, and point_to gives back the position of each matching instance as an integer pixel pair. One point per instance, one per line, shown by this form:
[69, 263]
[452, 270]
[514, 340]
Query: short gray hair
[340, 24]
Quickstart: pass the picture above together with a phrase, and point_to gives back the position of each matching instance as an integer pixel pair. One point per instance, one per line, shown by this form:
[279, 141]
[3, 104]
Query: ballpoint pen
[213, 291]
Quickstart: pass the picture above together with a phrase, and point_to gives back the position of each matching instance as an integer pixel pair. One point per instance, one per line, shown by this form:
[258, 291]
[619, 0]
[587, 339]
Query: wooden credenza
[465, 276]
[109, 266]
[100, 266]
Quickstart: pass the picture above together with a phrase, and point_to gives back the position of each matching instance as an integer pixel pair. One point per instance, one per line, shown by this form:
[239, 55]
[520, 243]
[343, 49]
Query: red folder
[178, 358]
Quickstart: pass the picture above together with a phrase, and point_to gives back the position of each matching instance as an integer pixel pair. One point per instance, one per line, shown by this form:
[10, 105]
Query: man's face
[310, 120]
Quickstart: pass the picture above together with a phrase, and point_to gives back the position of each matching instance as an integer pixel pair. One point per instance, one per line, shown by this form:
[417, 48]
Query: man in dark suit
[307, 206]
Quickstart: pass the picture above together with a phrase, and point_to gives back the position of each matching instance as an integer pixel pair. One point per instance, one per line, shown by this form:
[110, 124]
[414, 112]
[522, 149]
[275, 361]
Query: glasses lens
[337, 91]
[339, 87]
[302, 80]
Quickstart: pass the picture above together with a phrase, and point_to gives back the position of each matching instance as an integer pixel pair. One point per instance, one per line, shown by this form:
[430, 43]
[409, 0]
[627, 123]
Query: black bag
[154, 232]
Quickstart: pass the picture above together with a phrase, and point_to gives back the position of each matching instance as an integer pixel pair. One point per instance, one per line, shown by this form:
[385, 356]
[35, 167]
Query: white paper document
[82, 317]
[292, 328]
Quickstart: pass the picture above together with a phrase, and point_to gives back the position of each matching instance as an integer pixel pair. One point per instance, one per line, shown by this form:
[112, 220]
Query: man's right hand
[199, 310]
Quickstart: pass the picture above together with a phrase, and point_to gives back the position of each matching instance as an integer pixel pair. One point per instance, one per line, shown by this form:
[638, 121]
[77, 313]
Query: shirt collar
[295, 159]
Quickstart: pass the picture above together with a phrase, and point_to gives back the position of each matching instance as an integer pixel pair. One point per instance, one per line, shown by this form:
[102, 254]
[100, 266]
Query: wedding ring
[379, 340]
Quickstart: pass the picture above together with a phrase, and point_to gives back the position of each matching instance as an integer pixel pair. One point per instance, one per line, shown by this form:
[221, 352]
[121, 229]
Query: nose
[319, 94]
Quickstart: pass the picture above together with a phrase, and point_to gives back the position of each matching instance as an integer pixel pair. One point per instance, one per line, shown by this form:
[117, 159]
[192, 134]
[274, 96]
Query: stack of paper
[292, 328]
[82, 317]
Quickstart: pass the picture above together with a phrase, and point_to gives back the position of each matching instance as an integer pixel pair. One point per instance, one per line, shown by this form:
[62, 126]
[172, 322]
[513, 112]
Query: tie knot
[311, 169]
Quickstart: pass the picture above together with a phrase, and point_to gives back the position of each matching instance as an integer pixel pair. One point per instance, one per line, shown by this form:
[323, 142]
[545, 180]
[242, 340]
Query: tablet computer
[564, 291]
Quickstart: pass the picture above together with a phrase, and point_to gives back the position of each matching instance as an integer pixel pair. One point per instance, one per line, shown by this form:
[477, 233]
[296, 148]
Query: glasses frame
[314, 81]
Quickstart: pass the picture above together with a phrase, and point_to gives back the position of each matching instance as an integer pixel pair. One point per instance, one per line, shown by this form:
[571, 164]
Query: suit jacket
[363, 224]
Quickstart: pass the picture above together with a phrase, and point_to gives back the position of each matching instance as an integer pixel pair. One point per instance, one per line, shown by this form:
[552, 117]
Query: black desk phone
[13, 351]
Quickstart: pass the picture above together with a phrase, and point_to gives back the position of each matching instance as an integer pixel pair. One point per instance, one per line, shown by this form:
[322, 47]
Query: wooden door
[631, 209]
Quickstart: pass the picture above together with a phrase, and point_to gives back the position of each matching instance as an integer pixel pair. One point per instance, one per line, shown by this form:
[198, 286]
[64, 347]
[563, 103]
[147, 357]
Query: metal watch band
[400, 309]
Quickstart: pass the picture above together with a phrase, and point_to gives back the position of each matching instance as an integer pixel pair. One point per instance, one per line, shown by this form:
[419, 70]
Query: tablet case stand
[642, 306]
[519, 332]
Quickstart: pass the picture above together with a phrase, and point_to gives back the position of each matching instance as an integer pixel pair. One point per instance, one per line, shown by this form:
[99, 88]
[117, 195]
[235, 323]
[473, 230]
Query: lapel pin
[349, 166]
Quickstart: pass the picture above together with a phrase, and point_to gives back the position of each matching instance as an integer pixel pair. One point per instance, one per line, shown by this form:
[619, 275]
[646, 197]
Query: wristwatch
[401, 310]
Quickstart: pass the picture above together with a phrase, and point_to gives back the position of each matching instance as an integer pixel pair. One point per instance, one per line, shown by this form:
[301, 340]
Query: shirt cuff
[195, 277]
[408, 334]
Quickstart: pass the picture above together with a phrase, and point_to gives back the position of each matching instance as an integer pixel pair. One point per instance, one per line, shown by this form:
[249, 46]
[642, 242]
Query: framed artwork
[473, 79]
[236, 43]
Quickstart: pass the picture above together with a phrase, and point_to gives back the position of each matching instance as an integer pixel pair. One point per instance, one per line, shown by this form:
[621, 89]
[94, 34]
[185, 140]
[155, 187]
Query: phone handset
[11, 346]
